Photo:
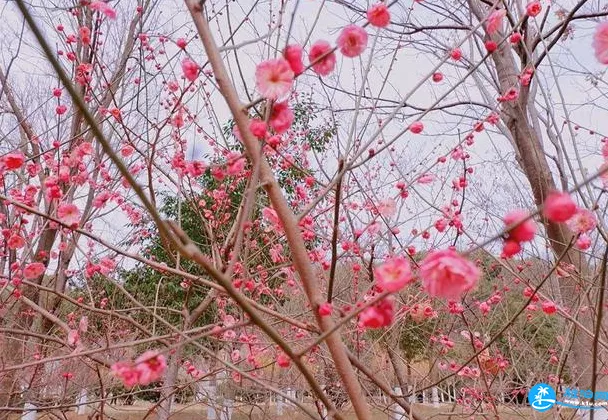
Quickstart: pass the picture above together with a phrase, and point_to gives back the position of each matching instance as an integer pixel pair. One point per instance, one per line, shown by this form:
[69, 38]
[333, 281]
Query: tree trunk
[399, 367]
[167, 393]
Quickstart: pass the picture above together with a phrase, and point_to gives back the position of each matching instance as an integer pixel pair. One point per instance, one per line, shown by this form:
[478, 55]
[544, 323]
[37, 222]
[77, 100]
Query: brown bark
[168, 390]
[400, 368]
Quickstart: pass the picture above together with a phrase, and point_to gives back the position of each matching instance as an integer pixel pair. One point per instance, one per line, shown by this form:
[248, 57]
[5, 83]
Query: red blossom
[379, 15]
[322, 58]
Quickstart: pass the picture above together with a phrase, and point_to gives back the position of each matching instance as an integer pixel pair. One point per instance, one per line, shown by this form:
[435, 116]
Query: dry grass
[246, 412]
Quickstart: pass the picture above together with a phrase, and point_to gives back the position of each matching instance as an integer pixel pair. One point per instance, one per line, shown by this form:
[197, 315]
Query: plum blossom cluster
[520, 228]
[547, 306]
[444, 274]
[559, 207]
[192, 370]
[420, 312]
[147, 368]
[275, 77]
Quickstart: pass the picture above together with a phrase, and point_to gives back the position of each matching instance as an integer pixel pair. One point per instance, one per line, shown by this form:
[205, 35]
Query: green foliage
[318, 137]
[530, 337]
[414, 338]
[539, 332]
[153, 288]
[310, 133]
[163, 290]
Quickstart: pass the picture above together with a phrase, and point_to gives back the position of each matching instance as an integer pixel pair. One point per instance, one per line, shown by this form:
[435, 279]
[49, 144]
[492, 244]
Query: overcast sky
[498, 184]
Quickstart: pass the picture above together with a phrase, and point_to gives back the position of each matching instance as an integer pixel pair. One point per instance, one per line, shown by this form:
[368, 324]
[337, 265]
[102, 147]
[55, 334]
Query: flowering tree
[257, 197]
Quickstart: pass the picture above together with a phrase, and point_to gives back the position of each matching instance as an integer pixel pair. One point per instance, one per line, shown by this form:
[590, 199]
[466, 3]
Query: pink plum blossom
[13, 160]
[582, 221]
[600, 42]
[352, 41]
[393, 274]
[190, 69]
[151, 366]
[283, 360]
[103, 7]
[559, 207]
[281, 117]
[325, 309]
[494, 21]
[447, 274]
[15, 242]
[68, 214]
[416, 127]
[379, 15]
[533, 8]
[293, 54]
[387, 207]
[274, 78]
[379, 315]
[322, 66]
[583, 242]
[525, 229]
[34, 270]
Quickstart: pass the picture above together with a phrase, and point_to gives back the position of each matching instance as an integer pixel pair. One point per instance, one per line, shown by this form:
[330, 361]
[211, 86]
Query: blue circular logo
[541, 397]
